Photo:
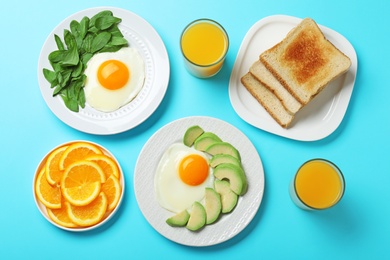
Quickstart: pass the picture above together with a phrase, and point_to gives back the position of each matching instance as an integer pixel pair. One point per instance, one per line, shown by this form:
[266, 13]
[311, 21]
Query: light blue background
[357, 228]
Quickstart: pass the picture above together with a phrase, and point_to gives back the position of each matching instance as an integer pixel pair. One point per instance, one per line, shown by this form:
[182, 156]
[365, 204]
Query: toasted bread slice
[267, 99]
[262, 74]
[304, 62]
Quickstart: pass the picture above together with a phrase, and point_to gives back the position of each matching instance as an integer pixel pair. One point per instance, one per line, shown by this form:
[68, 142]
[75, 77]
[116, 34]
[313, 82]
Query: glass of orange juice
[318, 184]
[204, 44]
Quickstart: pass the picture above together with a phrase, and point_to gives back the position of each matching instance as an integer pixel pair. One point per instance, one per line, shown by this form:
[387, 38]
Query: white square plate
[322, 115]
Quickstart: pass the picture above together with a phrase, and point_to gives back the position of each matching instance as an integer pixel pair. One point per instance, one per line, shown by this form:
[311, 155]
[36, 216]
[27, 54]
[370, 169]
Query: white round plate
[140, 35]
[321, 116]
[42, 207]
[229, 225]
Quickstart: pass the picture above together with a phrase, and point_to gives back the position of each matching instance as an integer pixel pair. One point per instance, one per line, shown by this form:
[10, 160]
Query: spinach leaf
[81, 99]
[84, 24]
[71, 57]
[103, 23]
[98, 15]
[56, 66]
[50, 76]
[115, 40]
[110, 48]
[65, 77]
[114, 30]
[70, 103]
[57, 56]
[77, 70]
[85, 58]
[57, 90]
[70, 40]
[59, 43]
[75, 28]
[87, 43]
[99, 41]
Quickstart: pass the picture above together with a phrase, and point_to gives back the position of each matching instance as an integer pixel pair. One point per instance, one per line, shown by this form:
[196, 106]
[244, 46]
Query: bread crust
[268, 100]
[262, 74]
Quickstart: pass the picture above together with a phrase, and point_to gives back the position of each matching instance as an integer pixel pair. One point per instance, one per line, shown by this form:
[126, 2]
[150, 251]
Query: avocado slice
[179, 220]
[197, 217]
[234, 174]
[229, 199]
[191, 134]
[213, 205]
[224, 158]
[223, 148]
[205, 140]
[211, 135]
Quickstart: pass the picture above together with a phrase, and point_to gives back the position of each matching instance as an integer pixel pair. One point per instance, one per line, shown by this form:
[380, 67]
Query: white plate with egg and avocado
[314, 121]
[111, 106]
[208, 209]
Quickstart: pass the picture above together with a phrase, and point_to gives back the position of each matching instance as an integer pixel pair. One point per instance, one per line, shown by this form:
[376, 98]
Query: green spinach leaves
[99, 33]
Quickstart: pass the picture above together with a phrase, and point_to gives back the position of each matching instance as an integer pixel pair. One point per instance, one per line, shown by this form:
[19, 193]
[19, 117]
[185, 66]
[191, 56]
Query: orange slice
[52, 167]
[108, 165]
[90, 214]
[81, 182]
[49, 195]
[76, 152]
[112, 188]
[60, 216]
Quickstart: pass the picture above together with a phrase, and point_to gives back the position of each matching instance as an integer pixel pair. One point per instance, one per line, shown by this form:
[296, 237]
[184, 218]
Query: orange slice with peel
[112, 189]
[49, 195]
[76, 152]
[81, 182]
[107, 164]
[90, 214]
[60, 216]
[52, 166]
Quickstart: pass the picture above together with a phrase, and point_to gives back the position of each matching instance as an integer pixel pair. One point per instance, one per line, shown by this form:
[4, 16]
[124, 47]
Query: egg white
[171, 192]
[106, 100]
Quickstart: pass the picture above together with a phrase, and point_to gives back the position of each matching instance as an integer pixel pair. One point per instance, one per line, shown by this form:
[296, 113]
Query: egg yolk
[113, 74]
[193, 169]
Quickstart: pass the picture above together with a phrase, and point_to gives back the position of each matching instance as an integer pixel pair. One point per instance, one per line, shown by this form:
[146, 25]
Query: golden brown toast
[304, 62]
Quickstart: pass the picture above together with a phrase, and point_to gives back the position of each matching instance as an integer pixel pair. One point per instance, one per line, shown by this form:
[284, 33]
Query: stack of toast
[290, 74]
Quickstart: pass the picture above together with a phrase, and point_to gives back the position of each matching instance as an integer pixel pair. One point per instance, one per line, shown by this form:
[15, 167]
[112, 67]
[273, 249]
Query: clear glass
[294, 194]
[209, 69]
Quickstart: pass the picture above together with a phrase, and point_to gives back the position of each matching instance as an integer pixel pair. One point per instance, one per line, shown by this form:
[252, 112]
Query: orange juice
[204, 44]
[319, 184]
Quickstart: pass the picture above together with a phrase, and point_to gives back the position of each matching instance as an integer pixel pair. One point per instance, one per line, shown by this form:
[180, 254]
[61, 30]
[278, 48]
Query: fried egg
[182, 175]
[114, 79]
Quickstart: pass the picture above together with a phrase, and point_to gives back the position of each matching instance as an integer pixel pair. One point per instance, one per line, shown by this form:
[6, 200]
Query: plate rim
[253, 198]
[123, 122]
[269, 125]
